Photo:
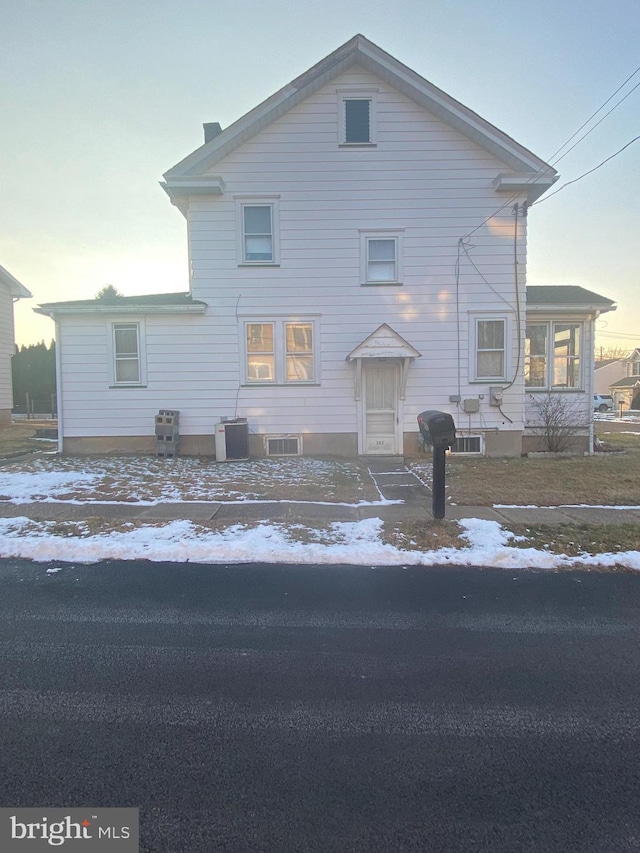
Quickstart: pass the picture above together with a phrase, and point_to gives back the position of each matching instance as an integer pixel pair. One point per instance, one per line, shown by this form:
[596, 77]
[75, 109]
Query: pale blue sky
[99, 97]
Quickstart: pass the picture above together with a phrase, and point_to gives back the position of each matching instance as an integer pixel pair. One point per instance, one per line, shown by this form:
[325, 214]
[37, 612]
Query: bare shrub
[558, 421]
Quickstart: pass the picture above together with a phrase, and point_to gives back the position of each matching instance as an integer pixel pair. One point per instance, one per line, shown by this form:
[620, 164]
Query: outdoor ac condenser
[232, 440]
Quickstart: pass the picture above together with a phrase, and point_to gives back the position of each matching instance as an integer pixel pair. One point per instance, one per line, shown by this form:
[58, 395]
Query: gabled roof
[155, 303]
[567, 297]
[627, 382]
[18, 291]
[385, 342]
[529, 170]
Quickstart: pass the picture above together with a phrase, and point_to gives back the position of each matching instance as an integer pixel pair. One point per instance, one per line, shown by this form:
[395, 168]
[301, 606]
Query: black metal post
[439, 454]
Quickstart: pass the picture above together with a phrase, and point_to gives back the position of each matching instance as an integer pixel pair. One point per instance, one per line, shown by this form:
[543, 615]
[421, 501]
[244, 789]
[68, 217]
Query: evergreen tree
[34, 373]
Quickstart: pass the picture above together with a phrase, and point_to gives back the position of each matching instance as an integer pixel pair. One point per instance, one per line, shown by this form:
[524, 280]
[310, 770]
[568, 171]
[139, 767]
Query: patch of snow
[355, 543]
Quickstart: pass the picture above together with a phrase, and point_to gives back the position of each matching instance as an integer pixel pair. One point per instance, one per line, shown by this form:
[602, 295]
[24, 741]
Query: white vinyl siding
[6, 347]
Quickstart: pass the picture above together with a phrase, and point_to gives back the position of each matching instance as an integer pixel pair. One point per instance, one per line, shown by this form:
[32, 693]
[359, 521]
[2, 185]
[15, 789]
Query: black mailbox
[437, 428]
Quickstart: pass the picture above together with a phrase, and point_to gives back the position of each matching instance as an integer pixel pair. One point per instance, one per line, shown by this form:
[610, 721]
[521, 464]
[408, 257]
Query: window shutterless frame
[381, 256]
[280, 351]
[258, 230]
[553, 356]
[357, 117]
[126, 348]
[490, 349]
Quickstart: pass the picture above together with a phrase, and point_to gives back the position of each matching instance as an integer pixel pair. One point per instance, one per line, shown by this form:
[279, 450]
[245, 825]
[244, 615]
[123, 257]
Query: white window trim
[142, 355]
[280, 323]
[474, 319]
[258, 201]
[549, 369]
[358, 94]
[396, 234]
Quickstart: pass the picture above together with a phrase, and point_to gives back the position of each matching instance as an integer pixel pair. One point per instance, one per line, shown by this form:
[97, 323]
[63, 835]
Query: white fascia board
[18, 291]
[554, 310]
[66, 311]
[534, 184]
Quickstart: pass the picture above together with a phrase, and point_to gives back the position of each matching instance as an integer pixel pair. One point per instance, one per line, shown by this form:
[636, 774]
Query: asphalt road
[270, 708]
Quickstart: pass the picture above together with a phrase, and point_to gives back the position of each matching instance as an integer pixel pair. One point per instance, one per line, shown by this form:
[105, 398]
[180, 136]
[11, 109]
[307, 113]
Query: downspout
[59, 388]
[592, 350]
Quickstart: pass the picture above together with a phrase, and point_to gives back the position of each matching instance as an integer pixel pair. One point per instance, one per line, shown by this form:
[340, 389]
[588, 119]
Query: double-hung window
[127, 354]
[281, 352]
[381, 257]
[258, 241]
[490, 349]
[553, 355]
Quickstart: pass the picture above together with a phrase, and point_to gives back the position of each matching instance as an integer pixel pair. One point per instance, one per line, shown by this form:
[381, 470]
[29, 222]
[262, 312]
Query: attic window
[356, 118]
[357, 124]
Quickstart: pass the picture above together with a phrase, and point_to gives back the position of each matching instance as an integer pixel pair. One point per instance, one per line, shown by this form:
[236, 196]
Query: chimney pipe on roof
[211, 130]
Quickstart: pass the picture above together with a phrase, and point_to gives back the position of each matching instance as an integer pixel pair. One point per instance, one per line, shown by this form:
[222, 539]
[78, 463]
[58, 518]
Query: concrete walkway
[393, 481]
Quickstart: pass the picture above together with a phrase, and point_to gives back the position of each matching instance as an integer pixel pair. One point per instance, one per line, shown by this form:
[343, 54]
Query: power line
[541, 170]
[593, 115]
[584, 175]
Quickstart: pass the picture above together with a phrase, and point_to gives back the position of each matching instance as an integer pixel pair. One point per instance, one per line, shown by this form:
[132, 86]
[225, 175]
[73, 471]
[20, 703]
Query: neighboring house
[10, 291]
[606, 373]
[357, 251]
[627, 389]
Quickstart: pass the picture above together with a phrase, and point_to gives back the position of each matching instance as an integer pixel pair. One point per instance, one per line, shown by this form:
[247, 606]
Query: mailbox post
[439, 431]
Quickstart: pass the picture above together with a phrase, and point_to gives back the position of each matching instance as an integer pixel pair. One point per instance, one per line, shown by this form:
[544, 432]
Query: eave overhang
[53, 310]
[180, 189]
[17, 290]
[586, 309]
[533, 185]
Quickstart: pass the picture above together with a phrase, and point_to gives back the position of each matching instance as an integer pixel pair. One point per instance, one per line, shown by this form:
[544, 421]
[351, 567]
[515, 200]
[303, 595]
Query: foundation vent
[283, 445]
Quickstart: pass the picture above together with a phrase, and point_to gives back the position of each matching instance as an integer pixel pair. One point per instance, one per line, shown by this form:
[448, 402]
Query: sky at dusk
[99, 97]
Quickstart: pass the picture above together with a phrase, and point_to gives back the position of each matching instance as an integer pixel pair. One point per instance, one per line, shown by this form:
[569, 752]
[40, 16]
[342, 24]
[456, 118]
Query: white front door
[380, 407]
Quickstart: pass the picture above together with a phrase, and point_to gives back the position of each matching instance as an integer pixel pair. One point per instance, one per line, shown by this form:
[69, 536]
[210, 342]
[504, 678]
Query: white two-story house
[357, 254]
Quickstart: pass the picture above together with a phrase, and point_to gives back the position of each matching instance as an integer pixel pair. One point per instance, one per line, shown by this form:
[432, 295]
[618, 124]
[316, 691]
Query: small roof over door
[384, 343]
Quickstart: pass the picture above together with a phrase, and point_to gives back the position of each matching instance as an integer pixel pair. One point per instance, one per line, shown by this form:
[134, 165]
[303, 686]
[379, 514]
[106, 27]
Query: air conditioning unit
[232, 440]
[282, 445]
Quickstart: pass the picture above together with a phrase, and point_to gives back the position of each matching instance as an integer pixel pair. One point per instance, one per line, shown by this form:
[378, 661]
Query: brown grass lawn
[604, 478]
[20, 438]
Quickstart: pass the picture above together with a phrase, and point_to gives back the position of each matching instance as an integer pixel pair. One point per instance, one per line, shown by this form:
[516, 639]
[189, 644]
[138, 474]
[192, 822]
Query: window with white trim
[553, 355]
[281, 351]
[380, 257]
[258, 231]
[127, 354]
[357, 117]
[490, 360]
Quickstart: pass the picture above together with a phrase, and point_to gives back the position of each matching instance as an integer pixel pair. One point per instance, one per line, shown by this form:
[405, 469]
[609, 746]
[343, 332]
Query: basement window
[282, 445]
[467, 445]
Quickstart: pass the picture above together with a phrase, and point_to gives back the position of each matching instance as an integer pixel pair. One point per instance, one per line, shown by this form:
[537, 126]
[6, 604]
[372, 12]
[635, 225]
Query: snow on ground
[148, 480]
[350, 543]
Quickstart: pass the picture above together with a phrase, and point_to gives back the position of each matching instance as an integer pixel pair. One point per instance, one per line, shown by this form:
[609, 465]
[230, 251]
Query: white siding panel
[6, 346]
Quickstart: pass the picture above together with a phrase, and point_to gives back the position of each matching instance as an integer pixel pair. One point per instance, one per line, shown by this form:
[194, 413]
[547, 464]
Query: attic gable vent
[282, 445]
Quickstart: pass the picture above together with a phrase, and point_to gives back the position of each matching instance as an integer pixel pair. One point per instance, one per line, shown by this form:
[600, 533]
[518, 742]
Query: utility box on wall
[232, 440]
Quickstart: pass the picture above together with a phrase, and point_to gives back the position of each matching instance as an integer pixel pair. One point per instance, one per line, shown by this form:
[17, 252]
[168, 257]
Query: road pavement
[329, 709]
